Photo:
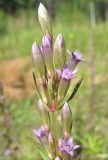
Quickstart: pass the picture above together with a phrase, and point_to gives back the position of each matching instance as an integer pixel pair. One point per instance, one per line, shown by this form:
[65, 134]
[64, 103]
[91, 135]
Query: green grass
[16, 37]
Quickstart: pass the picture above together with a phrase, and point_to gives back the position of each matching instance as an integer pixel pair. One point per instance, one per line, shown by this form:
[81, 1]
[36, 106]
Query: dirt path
[16, 77]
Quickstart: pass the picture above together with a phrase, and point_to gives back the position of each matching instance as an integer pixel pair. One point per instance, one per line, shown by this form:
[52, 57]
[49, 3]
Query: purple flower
[67, 73]
[67, 146]
[76, 57]
[40, 133]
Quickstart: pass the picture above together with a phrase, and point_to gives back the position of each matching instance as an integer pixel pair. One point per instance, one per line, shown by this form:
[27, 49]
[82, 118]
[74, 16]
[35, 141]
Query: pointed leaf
[40, 149]
[43, 155]
[75, 89]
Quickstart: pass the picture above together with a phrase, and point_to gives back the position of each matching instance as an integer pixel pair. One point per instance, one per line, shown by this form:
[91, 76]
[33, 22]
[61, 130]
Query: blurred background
[84, 25]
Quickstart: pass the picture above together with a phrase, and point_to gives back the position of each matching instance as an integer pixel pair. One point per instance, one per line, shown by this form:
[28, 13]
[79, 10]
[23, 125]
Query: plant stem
[53, 131]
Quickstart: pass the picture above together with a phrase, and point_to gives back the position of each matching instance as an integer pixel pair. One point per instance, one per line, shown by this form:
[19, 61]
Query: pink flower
[40, 133]
[66, 73]
[76, 57]
[67, 146]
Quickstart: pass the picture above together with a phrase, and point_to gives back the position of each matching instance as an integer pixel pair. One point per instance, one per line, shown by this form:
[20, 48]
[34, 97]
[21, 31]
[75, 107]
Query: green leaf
[41, 150]
[43, 155]
[75, 89]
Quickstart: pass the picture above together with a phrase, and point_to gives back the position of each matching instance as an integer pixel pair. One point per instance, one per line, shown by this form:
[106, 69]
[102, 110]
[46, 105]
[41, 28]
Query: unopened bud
[44, 19]
[47, 52]
[38, 61]
[35, 52]
[59, 43]
[59, 56]
[66, 110]
[46, 42]
[67, 118]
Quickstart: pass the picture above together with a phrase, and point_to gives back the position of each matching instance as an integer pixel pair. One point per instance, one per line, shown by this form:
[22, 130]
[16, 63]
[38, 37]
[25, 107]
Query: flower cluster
[53, 75]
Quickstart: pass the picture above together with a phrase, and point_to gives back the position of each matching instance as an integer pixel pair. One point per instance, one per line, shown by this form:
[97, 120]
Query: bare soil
[16, 77]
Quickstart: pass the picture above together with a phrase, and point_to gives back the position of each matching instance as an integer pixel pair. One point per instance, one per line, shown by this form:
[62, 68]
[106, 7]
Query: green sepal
[66, 117]
[70, 94]
[59, 58]
[63, 89]
[38, 93]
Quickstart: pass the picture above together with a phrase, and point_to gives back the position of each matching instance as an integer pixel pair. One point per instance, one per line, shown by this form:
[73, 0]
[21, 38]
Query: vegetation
[13, 6]
[17, 33]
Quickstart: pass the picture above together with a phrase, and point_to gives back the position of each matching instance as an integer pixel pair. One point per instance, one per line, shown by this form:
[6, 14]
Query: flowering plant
[54, 80]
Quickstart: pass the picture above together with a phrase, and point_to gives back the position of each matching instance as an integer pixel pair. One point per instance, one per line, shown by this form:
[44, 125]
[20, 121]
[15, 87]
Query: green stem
[53, 132]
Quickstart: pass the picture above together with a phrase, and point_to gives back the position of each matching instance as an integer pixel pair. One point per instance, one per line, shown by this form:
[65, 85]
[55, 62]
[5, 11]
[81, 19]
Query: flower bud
[39, 66]
[67, 118]
[66, 110]
[59, 55]
[46, 42]
[44, 20]
[47, 52]
[44, 114]
[38, 61]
